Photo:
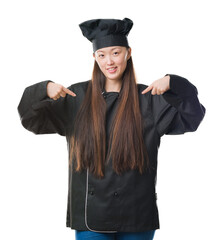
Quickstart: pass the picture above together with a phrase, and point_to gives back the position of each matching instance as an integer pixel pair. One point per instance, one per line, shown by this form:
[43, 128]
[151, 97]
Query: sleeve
[178, 110]
[41, 114]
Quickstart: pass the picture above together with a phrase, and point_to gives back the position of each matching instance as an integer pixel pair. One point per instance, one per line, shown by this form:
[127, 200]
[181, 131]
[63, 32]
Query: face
[112, 61]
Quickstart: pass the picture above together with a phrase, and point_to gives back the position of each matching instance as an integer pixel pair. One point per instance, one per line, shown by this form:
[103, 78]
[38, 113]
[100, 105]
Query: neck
[113, 85]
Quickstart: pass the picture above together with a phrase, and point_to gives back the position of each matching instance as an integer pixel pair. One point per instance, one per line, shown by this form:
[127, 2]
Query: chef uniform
[115, 203]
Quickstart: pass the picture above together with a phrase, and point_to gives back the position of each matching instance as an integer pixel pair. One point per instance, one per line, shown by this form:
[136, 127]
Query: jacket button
[91, 192]
[115, 193]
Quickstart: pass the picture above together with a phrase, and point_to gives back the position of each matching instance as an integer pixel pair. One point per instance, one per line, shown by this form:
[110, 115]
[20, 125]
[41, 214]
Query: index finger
[69, 92]
[147, 89]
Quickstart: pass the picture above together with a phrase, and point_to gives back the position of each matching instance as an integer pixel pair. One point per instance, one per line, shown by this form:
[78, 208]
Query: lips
[112, 69]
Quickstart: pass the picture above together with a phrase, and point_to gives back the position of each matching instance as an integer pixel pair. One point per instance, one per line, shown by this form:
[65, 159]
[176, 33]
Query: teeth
[111, 68]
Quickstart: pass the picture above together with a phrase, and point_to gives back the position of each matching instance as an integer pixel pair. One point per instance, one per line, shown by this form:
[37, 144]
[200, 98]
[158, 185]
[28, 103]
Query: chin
[116, 77]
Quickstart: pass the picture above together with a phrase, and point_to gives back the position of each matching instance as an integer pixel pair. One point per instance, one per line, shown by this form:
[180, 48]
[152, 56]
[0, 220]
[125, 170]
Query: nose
[110, 61]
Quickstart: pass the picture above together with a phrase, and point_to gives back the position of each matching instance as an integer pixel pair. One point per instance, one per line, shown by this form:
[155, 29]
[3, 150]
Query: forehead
[109, 49]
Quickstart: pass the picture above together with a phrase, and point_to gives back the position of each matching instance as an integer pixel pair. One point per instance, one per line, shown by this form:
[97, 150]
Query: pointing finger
[147, 89]
[69, 92]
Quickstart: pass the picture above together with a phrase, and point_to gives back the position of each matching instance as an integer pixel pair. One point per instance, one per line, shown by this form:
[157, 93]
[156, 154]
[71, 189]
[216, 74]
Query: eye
[101, 55]
[116, 53]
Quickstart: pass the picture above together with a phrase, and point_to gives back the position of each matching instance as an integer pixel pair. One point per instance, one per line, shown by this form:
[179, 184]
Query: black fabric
[106, 32]
[110, 40]
[125, 203]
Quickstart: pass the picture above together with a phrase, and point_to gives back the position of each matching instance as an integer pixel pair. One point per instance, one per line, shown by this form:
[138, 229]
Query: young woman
[113, 127]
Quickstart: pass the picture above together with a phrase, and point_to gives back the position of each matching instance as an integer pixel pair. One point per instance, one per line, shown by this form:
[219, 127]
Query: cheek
[101, 65]
[122, 64]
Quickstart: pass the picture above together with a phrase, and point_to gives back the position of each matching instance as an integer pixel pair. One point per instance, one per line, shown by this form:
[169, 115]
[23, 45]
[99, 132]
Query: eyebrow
[111, 49]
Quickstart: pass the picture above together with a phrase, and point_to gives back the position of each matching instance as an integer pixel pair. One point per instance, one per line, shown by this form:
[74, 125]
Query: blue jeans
[148, 235]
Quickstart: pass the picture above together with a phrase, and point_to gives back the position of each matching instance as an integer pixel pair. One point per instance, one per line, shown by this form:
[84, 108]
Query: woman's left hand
[159, 86]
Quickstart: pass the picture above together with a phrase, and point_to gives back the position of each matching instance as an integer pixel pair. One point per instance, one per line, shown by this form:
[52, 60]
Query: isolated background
[41, 40]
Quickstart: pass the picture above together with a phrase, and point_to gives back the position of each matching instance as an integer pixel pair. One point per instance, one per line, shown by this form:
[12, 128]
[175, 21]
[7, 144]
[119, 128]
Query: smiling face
[112, 61]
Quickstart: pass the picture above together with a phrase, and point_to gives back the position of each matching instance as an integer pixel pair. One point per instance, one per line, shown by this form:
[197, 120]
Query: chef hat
[107, 32]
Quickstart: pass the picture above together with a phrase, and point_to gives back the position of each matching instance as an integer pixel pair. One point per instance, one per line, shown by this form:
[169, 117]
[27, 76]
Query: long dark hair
[87, 143]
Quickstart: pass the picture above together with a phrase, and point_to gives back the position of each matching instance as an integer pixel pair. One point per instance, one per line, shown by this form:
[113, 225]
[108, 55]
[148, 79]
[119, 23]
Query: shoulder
[141, 86]
[79, 88]
[82, 86]
[148, 98]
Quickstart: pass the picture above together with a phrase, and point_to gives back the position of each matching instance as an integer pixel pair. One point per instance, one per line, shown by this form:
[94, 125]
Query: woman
[113, 127]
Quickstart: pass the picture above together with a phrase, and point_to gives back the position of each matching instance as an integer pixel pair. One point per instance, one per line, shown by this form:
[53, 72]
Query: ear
[129, 53]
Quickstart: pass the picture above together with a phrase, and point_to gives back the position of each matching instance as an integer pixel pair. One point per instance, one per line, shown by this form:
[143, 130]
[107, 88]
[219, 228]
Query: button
[115, 193]
[91, 192]
[104, 94]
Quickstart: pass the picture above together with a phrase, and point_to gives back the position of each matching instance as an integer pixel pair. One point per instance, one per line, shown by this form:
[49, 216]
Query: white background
[41, 40]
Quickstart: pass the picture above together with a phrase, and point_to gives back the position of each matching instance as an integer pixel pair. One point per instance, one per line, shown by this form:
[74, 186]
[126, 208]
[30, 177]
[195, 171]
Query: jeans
[148, 235]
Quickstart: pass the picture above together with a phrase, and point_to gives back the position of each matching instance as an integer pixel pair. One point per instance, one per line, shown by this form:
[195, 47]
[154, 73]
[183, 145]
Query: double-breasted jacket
[126, 203]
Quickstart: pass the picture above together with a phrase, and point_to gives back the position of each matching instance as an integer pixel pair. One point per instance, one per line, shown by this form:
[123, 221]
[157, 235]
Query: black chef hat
[107, 32]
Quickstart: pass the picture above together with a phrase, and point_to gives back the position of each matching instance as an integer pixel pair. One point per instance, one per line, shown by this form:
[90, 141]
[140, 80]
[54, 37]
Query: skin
[111, 57]
[55, 91]
[159, 86]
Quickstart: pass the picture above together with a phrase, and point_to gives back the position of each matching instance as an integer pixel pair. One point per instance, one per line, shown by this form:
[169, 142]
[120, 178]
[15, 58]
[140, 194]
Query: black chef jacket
[125, 203]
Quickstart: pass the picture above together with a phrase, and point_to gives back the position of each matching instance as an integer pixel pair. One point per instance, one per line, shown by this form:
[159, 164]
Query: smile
[112, 69]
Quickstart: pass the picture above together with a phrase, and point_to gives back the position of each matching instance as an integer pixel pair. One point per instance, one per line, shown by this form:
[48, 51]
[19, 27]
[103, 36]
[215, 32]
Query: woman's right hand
[55, 91]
